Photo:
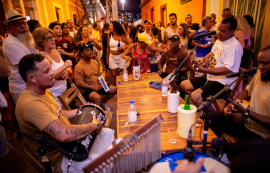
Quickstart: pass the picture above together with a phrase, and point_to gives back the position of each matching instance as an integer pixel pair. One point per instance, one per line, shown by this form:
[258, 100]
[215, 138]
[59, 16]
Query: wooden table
[149, 103]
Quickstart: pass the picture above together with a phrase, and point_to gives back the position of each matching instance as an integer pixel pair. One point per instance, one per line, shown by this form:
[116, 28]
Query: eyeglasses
[18, 24]
[50, 38]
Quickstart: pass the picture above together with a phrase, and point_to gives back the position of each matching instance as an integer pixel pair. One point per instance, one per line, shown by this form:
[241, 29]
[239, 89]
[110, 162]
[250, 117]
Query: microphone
[205, 34]
[73, 153]
[249, 72]
[189, 151]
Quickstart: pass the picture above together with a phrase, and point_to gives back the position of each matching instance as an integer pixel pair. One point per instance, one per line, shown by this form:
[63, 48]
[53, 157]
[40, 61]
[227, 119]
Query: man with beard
[18, 43]
[172, 29]
[256, 117]
[39, 115]
[70, 25]
[148, 25]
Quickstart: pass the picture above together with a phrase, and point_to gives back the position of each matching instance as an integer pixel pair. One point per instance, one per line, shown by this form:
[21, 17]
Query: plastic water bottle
[125, 74]
[119, 44]
[132, 113]
[164, 87]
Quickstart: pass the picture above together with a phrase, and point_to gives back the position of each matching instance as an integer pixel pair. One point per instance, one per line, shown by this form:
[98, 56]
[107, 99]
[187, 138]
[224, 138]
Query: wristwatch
[247, 111]
[97, 125]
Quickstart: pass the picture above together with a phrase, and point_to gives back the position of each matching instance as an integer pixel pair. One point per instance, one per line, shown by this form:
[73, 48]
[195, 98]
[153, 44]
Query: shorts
[208, 87]
[116, 61]
[86, 93]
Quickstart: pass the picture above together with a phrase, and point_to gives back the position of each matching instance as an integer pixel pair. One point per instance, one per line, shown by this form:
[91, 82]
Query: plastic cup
[172, 135]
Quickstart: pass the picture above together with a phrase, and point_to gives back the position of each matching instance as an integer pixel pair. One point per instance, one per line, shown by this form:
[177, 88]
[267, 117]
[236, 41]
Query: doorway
[163, 17]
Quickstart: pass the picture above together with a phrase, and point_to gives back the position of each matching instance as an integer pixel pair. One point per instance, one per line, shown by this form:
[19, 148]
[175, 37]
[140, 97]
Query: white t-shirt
[171, 32]
[13, 51]
[148, 36]
[225, 54]
[72, 33]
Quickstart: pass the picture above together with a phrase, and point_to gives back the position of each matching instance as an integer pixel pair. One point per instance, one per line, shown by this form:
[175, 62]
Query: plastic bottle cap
[118, 82]
[131, 101]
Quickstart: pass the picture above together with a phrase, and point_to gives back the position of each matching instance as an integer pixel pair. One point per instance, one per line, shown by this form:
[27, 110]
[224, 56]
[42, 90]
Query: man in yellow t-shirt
[86, 75]
[39, 115]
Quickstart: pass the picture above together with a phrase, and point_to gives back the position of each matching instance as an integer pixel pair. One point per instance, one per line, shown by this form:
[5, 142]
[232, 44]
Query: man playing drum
[39, 115]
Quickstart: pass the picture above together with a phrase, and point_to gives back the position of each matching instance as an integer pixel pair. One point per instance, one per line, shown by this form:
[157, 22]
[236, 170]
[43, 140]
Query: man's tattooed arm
[67, 133]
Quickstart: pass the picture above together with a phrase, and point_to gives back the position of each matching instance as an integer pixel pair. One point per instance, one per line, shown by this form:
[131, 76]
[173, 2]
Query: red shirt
[142, 60]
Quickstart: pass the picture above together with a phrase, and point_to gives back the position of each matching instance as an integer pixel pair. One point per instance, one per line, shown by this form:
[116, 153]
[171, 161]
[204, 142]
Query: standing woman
[139, 52]
[127, 30]
[65, 32]
[90, 32]
[114, 53]
[184, 35]
[83, 36]
[133, 34]
[156, 42]
[45, 43]
[243, 33]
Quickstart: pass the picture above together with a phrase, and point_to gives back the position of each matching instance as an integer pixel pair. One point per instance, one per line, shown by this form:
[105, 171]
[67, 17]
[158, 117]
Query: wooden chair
[19, 146]
[17, 143]
[73, 92]
[70, 94]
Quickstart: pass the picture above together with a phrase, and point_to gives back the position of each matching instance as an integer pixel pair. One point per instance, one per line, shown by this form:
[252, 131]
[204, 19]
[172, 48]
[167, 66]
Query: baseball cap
[143, 38]
[174, 37]
[84, 46]
[147, 21]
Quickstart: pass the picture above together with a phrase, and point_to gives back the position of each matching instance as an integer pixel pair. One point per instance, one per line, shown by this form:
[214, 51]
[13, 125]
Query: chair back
[70, 94]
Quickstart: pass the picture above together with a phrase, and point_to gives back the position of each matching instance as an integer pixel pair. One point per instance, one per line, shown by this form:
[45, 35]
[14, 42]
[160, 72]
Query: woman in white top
[45, 43]
[116, 43]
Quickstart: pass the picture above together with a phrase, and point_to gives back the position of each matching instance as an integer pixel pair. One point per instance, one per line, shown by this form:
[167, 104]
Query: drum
[82, 147]
[169, 162]
[85, 114]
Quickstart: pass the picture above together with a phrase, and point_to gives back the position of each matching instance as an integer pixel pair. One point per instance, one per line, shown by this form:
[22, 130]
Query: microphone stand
[45, 144]
[177, 72]
[205, 106]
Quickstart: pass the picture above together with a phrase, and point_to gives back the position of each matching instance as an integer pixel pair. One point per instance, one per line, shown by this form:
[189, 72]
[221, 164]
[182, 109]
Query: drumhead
[169, 162]
[85, 114]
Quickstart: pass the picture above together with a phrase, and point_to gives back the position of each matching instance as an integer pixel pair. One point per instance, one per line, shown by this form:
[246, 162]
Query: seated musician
[173, 57]
[224, 58]
[39, 115]
[256, 117]
[86, 78]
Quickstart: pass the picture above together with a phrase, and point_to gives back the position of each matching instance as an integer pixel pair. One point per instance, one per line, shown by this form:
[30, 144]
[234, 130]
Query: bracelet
[247, 112]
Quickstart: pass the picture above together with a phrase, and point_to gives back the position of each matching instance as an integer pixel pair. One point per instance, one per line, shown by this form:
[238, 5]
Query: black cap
[174, 37]
[84, 46]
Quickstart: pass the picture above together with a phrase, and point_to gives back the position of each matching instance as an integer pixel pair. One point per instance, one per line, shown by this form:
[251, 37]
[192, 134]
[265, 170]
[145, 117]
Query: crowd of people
[38, 57]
